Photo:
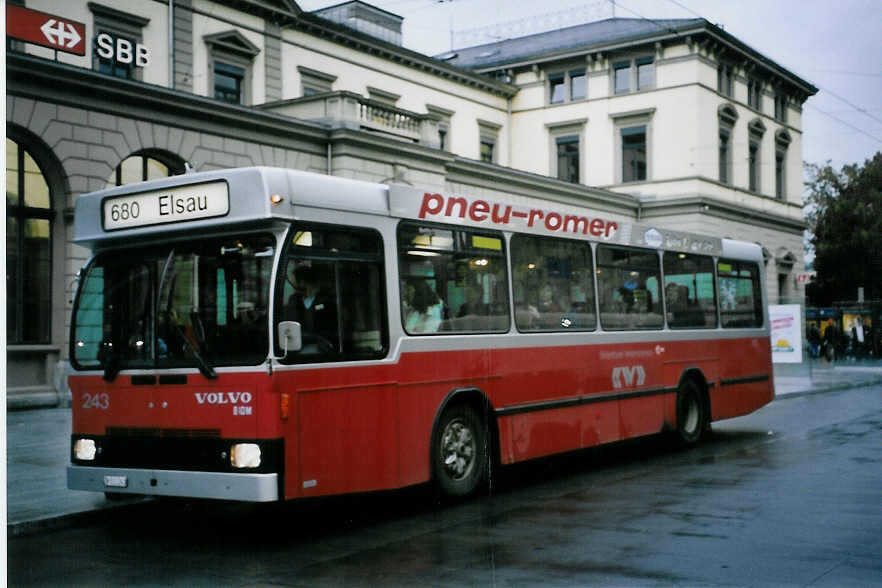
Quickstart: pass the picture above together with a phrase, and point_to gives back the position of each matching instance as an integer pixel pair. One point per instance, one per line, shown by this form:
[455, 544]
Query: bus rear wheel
[691, 413]
[460, 459]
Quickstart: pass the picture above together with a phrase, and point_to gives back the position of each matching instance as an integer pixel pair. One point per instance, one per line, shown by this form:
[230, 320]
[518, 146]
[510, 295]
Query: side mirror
[290, 336]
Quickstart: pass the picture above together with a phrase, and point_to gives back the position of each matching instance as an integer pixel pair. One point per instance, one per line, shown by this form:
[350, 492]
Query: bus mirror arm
[290, 336]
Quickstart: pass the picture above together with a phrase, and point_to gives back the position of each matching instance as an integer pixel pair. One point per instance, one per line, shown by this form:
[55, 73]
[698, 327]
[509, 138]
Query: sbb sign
[122, 50]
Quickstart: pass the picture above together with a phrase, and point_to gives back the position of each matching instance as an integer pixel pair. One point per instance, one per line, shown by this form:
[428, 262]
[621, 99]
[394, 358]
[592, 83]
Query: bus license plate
[116, 481]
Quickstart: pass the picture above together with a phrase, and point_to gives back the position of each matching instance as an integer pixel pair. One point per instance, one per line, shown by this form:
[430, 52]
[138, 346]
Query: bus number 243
[99, 401]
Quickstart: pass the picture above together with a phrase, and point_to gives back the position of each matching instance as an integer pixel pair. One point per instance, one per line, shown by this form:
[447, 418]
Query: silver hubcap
[458, 449]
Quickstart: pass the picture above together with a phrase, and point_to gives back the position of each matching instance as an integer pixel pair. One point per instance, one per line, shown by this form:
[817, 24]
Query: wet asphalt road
[791, 495]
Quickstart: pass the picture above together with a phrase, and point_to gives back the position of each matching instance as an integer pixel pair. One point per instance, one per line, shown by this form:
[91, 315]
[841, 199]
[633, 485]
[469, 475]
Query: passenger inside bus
[421, 308]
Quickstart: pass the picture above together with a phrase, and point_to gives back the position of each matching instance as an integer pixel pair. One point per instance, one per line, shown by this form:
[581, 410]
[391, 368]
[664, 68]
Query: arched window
[145, 165]
[29, 217]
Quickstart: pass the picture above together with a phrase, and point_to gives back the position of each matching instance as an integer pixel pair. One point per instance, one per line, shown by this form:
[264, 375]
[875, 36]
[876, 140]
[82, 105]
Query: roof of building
[580, 37]
[606, 35]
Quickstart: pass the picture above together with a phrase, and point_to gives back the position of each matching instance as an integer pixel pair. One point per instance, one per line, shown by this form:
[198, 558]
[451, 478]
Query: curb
[830, 388]
[63, 521]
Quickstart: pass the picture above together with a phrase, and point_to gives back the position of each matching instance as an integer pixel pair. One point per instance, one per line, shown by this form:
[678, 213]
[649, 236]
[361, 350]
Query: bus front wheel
[691, 414]
[460, 451]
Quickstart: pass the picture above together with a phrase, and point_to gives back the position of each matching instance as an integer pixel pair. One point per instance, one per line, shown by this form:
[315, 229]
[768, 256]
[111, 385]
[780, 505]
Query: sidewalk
[38, 452]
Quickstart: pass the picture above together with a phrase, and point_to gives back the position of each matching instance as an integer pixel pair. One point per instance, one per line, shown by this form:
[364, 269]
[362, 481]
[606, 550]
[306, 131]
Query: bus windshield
[191, 304]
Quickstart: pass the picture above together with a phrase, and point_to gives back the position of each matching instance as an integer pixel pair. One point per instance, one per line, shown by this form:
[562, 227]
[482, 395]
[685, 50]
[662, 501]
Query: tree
[844, 214]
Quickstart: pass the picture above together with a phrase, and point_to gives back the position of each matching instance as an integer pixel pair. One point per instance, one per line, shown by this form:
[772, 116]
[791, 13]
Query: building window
[753, 149]
[487, 148]
[636, 74]
[632, 139]
[727, 117]
[634, 154]
[118, 36]
[755, 130]
[314, 82]
[780, 156]
[29, 216]
[230, 58]
[556, 88]
[782, 143]
[566, 149]
[578, 85]
[443, 116]
[725, 79]
[141, 167]
[567, 87]
[725, 156]
[755, 94]
[489, 135]
[443, 136]
[568, 159]
[645, 73]
[622, 77]
[228, 80]
[781, 108]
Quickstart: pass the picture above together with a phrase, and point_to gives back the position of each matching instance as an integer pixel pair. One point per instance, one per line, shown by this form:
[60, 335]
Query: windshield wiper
[204, 366]
[112, 363]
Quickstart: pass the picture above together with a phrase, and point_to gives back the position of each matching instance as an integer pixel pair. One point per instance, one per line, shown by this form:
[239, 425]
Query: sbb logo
[122, 50]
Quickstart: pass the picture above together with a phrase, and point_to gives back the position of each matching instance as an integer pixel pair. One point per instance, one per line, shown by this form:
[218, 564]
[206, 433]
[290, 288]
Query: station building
[672, 122]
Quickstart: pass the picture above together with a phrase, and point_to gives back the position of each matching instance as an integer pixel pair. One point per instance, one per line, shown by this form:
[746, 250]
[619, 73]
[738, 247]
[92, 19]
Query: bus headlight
[85, 449]
[245, 455]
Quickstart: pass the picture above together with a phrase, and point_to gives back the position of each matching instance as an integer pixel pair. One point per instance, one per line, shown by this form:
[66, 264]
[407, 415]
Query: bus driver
[313, 307]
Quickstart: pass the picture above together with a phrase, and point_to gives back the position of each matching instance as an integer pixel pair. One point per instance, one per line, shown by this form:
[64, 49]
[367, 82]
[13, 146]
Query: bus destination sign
[182, 203]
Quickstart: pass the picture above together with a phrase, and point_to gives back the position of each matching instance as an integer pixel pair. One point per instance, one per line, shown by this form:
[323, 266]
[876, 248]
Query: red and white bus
[263, 334]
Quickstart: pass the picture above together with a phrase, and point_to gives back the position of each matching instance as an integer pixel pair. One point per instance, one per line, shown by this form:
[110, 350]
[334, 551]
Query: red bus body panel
[354, 428]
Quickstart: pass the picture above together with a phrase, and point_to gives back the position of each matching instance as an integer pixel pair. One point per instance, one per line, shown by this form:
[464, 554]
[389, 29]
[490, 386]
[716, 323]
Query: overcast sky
[834, 45]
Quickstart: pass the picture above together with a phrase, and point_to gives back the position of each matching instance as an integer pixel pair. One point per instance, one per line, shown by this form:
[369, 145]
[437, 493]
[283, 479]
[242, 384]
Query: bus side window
[628, 284]
[553, 284]
[740, 297]
[332, 283]
[690, 299]
[452, 280]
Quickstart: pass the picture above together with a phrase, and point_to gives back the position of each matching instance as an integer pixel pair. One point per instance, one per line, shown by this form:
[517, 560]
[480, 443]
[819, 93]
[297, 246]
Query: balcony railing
[349, 110]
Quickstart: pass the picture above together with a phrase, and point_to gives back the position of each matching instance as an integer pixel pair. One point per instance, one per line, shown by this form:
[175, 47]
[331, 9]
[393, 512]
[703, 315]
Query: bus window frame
[328, 255]
[592, 282]
[716, 299]
[756, 292]
[504, 257]
[659, 276]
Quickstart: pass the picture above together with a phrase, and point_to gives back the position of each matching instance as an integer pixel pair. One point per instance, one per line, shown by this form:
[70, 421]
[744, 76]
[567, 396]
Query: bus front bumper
[223, 486]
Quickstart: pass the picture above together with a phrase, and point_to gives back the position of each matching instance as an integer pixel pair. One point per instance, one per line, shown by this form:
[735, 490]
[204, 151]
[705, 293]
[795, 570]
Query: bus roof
[212, 200]
[215, 199]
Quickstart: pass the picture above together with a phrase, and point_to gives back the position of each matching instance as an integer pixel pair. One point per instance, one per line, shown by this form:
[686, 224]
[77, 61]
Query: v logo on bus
[628, 376]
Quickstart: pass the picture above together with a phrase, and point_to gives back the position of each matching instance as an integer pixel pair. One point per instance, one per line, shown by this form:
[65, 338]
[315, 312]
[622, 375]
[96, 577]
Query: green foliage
[844, 213]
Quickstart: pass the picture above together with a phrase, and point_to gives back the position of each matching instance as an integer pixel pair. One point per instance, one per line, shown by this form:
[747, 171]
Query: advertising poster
[786, 322]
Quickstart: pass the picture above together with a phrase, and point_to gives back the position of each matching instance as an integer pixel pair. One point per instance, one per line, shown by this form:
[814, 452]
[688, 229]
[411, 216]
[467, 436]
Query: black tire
[691, 413]
[460, 451]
